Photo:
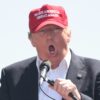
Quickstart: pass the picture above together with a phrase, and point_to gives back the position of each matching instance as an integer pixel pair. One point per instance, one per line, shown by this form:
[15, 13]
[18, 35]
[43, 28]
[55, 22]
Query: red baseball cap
[47, 14]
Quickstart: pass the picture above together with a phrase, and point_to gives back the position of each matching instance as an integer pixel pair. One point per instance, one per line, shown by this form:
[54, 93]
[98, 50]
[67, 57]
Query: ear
[32, 40]
[68, 35]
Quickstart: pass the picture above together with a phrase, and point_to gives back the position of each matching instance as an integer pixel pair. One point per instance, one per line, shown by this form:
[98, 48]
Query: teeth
[51, 48]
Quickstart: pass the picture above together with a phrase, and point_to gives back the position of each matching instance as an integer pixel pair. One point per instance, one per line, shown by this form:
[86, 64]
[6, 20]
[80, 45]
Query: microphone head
[45, 63]
[44, 68]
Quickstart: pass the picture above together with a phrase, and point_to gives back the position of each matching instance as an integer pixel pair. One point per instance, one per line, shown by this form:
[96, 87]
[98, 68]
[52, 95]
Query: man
[74, 77]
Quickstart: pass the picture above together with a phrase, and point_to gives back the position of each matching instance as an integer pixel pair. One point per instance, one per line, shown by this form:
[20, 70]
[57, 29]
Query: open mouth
[51, 49]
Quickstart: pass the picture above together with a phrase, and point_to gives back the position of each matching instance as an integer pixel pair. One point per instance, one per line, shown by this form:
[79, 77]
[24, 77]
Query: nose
[50, 35]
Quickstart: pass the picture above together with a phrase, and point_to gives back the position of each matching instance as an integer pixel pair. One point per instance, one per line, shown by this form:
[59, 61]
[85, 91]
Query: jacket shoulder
[20, 64]
[93, 65]
[90, 64]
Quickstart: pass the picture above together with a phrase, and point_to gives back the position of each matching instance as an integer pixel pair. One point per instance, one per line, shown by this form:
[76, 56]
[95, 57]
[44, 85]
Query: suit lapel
[32, 81]
[77, 71]
[26, 87]
[35, 79]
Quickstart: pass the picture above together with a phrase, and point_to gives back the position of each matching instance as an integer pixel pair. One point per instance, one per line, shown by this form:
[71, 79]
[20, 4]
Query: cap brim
[48, 23]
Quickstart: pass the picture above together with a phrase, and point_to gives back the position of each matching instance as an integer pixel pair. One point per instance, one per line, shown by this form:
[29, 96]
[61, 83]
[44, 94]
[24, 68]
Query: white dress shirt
[59, 72]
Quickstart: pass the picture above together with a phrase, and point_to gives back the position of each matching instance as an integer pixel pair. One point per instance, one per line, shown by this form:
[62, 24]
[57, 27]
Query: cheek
[61, 44]
[62, 41]
[66, 38]
[40, 45]
[36, 41]
[41, 49]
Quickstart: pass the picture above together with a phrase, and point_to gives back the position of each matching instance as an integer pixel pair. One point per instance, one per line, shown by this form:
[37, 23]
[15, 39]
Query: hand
[64, 87]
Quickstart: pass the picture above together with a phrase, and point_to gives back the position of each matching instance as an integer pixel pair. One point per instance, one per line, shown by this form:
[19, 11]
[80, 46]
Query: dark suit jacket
[19, 81]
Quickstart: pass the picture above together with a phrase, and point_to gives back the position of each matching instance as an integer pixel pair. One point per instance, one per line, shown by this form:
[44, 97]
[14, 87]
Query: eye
[56, 30]
[42, 32]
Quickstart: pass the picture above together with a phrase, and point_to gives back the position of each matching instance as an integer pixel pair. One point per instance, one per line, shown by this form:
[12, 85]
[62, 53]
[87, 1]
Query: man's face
[51, 42]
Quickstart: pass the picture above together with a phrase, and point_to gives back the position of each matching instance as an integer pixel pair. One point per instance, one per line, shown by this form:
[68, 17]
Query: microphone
[44, 68]
[51, 82]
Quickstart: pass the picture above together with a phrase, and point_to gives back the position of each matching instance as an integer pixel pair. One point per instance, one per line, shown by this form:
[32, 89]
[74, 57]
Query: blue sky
[84, 19]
